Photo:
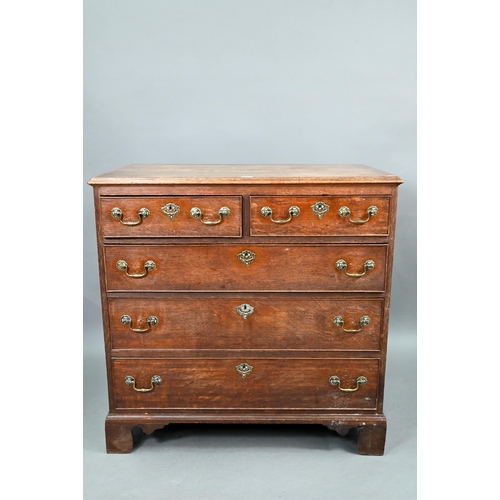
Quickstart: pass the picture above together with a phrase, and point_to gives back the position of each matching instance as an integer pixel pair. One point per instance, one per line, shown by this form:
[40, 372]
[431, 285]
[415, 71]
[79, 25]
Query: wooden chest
[245, 294]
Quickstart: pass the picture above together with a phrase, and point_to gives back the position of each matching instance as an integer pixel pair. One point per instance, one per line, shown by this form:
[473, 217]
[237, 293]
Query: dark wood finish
[276, 323]
[231, 189]
[275, 268]
[371, 433]
[157, 224]
[309, 224]
[289, 340]
[272, 384]
[371, 439]
[118, 437]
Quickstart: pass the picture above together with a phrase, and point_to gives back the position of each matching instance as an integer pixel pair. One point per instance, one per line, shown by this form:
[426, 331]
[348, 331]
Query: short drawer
[171, 216]
[201, 383]
[254, 268]
[319, 215]
[228, 323]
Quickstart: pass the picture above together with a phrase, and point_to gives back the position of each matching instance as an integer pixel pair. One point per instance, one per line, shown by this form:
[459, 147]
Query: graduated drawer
[250, 323]
[249, 268]
[200, 383]
[171, 216]
[319, 215]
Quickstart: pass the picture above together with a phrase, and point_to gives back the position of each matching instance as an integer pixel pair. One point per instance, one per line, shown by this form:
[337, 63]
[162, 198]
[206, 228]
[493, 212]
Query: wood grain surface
[309, 224]
[272, 384]
[218, 268]
[292, 284]
[277, 323]
[237, 174]
[182, 225]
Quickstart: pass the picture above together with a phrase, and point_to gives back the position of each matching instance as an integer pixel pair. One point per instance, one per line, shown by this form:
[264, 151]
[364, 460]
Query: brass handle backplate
[117, 213]
[341, 265]
[339, 321]
[346, 212]
[294, 211]
[196, 213]
[149, 265]
[151, 321]
[360, 381]
[155, 380]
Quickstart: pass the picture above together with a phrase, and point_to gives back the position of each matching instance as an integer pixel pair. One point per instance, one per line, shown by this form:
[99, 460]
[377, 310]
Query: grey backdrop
[261, 81]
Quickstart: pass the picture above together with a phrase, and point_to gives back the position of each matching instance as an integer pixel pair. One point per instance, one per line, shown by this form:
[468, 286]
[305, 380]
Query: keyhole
[244, 310]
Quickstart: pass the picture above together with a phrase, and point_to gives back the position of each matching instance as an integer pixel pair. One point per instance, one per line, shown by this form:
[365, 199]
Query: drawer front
[319, 216]
[249, 323]
[246, 383]
[172, 216]
[253, 268]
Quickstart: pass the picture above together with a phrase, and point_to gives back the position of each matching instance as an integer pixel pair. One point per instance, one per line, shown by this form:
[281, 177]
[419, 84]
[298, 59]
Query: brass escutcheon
[247, 257]
[244, 369]
[245, 310]
[320, 208]
[171, 210]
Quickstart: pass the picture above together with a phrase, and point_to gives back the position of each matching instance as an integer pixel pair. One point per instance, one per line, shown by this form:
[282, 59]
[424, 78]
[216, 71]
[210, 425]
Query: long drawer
[265, 322]
[245, 383]
[250, 268]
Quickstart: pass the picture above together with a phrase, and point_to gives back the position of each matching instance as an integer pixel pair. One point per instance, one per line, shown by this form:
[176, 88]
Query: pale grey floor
[219, 462]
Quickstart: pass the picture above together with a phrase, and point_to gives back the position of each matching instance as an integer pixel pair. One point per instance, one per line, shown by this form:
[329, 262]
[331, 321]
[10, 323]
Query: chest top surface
[243, 174]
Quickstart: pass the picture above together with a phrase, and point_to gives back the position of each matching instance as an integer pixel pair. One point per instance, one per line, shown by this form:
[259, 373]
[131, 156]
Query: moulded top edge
[244, 174]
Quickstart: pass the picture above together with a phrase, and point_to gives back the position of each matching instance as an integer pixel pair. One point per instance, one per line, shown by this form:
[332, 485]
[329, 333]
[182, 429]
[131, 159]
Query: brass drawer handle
[155, 380]
[196, 213]
[341, 265]
[151, 321]
[267, 212]
[149, 265]
[244, 369]
[339, 321]
[346, 212]
[117, 213]
[360, 381]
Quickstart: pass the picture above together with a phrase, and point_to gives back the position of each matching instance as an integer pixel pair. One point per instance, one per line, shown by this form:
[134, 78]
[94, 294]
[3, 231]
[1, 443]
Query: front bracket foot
[119, 437]
[371, 435]
[371, 439]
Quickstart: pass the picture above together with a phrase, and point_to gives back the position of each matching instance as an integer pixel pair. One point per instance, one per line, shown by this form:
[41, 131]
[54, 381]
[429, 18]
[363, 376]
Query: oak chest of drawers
[245, 294]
